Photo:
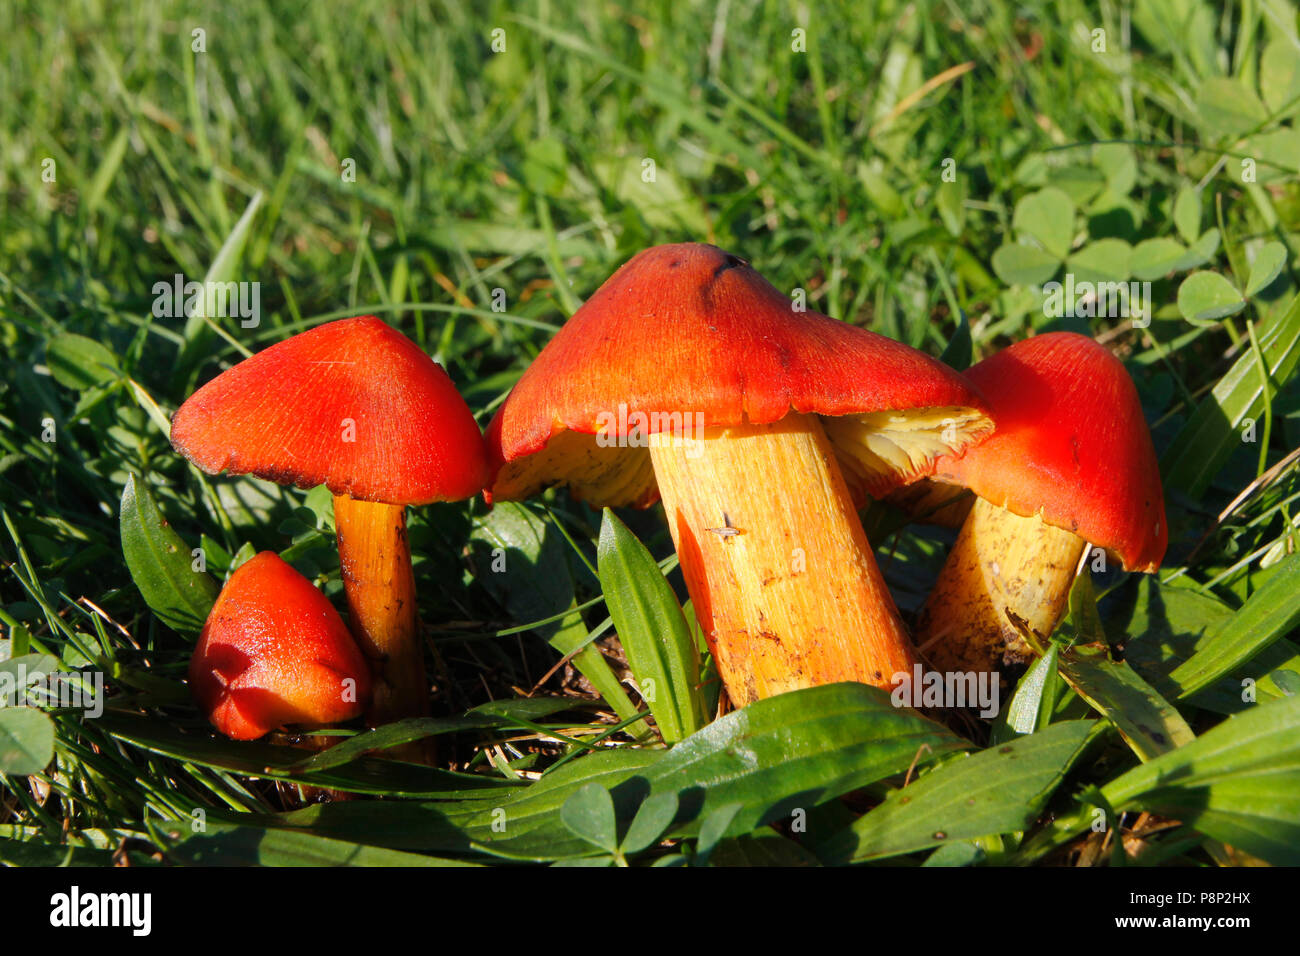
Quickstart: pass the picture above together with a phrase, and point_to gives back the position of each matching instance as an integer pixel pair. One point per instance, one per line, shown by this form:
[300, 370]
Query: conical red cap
[353, 405]
[1071, 444]
[274, 652]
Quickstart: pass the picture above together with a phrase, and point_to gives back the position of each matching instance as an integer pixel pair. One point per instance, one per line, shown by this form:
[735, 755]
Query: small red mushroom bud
[274, 652]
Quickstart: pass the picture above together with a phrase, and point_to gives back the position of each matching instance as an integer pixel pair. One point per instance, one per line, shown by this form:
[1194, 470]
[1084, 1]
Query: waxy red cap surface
[691, 329]
[353, 405]
[1071, 444]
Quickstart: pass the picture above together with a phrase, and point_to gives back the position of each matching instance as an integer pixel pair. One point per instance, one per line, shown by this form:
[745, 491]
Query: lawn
[471, 173]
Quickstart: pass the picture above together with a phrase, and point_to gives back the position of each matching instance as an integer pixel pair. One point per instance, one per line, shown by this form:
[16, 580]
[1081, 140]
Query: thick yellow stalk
[1002, 568]
[779, 569]
[376, 562]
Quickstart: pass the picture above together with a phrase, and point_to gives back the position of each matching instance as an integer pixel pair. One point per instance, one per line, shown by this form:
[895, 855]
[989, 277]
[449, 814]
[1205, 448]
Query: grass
[895, 165]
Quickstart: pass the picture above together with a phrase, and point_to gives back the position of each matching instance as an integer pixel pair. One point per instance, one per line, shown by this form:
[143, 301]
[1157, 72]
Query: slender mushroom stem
[793, 598]
[1001, 565]
[376, 562]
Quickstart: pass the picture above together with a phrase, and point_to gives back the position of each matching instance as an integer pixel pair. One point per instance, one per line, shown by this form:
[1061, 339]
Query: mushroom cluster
[355, 406]
[762, 427]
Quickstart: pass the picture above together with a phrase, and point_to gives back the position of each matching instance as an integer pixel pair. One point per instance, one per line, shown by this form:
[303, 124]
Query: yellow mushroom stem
[1003, 568]
[783, 580]
[376, 561]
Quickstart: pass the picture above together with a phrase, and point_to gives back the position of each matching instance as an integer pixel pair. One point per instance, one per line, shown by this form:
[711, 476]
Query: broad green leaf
[1019, 264]
[1105, 260]
[81, 363]
[999, 790]
[1268, 264]
[653, 817]
[1048, 217]
[589, 813]
[1270, 613]
[161, 564]
[1210, 436]
[1187, 213]
[222, 844]
[798, 750]
[1238, 783]
[1156, 258]
[1206, 297]
[652, 630]
[26, 740]
[1146, 721]
[1226, 110]
[1168, 626]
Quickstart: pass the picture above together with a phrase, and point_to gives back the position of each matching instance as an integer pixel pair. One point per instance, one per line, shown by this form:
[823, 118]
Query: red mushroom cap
[353, 405]
[274, 652]
[691, 329]
[1071, 444]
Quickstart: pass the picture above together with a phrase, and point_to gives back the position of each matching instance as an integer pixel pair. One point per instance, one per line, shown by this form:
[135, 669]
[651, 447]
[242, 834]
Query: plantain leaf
[161, 564]
[1238, 783]
[1146, 721]
[999, 790]
[652, 630]
[1270, 613]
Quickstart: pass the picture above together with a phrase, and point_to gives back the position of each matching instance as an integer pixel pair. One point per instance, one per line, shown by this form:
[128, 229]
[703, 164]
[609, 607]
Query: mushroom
[273, 653]
[358, 407]
[688, 376]
[1071, 463]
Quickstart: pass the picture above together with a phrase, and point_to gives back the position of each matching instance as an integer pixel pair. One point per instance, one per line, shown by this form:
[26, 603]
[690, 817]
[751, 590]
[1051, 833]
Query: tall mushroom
[688, 376]
[1071, 463]
[274, 653]
[358, 407]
